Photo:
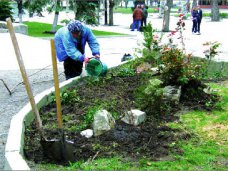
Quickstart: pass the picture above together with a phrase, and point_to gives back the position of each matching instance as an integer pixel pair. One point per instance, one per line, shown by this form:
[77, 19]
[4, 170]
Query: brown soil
[114, 93]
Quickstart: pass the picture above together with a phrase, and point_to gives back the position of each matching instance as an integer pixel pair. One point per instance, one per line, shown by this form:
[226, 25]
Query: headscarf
[75, 26]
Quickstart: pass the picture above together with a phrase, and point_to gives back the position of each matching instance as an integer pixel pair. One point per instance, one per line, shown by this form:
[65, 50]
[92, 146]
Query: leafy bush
[179, 68]
[5, 10]
[149, 97]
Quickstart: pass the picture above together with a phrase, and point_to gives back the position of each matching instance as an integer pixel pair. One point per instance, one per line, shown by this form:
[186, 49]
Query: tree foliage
[5, 10]
[85, 11]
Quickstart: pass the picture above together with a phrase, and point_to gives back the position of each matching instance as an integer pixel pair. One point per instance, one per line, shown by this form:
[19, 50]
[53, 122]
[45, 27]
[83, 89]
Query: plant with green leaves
[150, 50]
[151, 40]
[211, 52]
[68, 97]
[149, 97]
[85, 11]
[5, 10]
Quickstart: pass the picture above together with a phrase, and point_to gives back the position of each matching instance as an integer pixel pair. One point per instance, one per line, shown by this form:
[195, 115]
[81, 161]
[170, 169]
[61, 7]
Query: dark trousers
[143, 22]
[198, 25]
[72, 68]
[194, 26]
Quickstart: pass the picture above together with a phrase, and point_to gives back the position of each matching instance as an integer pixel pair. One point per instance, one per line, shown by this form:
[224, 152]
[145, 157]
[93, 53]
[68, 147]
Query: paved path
[37, 58]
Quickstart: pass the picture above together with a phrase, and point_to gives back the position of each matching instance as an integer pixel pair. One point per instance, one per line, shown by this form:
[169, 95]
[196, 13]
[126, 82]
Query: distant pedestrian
[199, 18]
[137, 17]
[194, 14]
[144, 15]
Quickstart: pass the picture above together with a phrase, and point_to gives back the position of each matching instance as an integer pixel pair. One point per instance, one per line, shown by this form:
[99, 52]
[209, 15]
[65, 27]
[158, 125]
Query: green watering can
[96, 68]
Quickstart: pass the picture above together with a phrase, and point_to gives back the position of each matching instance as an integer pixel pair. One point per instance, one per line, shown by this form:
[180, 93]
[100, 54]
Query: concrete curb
[14, 157]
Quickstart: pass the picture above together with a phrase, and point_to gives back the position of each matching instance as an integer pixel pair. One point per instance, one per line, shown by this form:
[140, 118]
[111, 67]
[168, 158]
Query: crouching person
[70, 44]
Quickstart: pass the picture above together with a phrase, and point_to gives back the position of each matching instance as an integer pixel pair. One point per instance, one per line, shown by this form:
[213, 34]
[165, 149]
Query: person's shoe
[132, 30]
[197, 33]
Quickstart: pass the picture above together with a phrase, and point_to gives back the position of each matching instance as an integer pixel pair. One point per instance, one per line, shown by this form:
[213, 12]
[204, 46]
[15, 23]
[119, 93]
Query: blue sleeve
[70, 47]
[93, 43]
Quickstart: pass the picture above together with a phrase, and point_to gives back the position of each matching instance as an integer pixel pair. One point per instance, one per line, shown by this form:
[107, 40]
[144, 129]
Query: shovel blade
[59, 151]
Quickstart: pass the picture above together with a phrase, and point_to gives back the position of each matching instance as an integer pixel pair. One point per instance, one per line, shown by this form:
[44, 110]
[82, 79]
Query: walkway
[37, 58]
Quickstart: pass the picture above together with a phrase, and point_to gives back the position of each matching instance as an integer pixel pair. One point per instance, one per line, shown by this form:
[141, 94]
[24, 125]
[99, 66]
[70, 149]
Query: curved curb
[14, 156]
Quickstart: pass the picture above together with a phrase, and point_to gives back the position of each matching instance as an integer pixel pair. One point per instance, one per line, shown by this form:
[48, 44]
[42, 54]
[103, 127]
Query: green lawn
[150, 10]
[37, 29]
[129, 10]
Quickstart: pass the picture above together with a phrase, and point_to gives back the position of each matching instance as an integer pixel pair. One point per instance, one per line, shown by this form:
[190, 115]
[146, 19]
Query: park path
[37, 58]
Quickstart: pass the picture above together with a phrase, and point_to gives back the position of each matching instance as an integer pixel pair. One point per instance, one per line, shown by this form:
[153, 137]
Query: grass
[36, 29]
[222, 15]
[129, 10]
[216, 70]
[206, 150]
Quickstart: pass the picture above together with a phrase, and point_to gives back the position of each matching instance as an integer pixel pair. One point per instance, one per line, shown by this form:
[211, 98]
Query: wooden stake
[24, 74]
[56, 82]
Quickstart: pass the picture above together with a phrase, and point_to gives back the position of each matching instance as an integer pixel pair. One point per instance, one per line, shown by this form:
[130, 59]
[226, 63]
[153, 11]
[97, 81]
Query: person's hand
[97, 56]
[86, 60]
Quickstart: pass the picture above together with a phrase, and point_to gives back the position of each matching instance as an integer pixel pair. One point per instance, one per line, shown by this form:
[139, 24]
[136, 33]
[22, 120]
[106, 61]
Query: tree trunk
[194, 3]
[166, 17]
[126, 3]
[55, 22]
[106, 12]
[111, 6]
[74, 6]
[215, 11]
[20, 10]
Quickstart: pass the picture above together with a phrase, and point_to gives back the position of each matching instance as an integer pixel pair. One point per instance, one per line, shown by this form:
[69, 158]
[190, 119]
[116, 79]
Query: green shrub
[5, 10]
[149, 97]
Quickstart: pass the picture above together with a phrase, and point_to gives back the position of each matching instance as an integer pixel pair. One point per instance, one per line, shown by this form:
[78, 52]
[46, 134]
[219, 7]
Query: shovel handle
[23, 73]
[56, 82]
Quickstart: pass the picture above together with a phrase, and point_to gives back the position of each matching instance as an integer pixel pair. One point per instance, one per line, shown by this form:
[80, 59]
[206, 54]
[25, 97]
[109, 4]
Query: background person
[194, 14]
[144, 15]
[137, 17]
[70, 44]
[199, 18]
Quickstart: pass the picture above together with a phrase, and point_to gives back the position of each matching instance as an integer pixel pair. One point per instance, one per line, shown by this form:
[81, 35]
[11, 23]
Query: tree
[215, 16]
[126, 3]
[35, 6]
[55, 22]
[166, 17]
[85, 11]
[194, 3]
[111, 6]
[106, 12]
[20, 9]
[5, 10]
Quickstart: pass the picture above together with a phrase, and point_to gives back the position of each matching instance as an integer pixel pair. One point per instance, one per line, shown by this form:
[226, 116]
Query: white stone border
[14, 157]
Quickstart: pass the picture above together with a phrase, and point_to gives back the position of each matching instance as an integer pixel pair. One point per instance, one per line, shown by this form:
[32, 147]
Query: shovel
[54, 149]
[64, 146]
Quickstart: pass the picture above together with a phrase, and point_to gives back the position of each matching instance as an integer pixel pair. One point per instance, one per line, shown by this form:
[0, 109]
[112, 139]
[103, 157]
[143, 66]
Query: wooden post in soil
[24, 75]
[56, 82]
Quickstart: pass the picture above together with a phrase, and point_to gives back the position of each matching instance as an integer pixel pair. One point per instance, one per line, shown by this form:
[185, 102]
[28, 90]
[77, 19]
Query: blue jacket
[194, 15]
[67, 46]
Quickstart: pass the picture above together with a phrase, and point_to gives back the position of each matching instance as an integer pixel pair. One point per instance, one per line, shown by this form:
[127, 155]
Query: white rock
[103, 121]
[134, 117]
[88, 133]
